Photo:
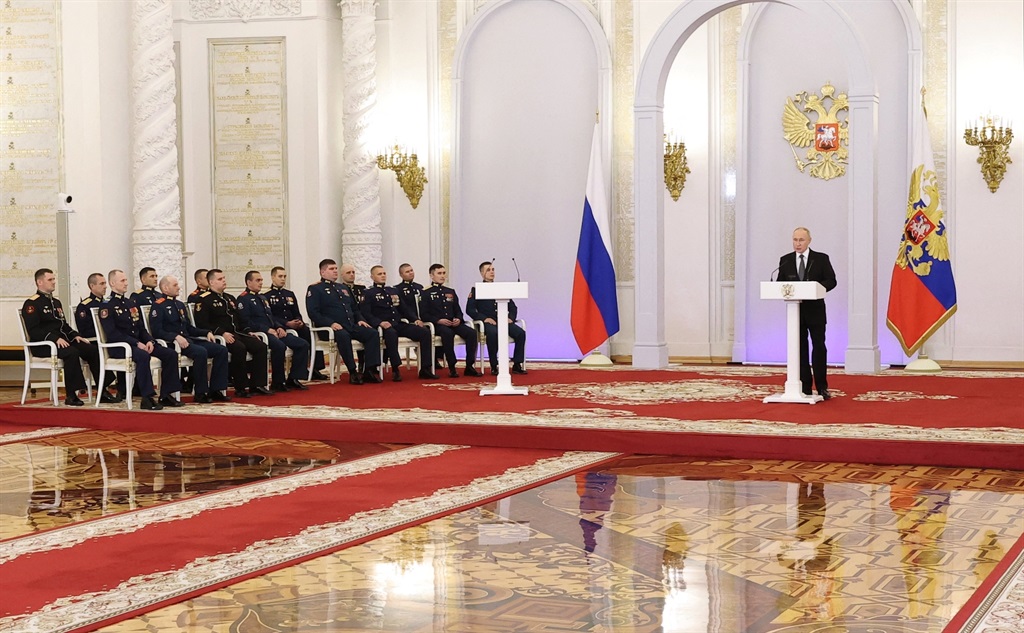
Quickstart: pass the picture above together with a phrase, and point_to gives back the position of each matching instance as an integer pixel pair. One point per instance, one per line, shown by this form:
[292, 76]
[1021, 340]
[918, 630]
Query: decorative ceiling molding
[243, 10]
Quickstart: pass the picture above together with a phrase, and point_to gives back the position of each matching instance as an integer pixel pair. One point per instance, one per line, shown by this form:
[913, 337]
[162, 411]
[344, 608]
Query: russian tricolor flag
[595, 309]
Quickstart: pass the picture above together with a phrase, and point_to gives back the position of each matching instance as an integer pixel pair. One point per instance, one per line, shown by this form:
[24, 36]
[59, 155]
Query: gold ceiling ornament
[407, 170]
[676, 168]
[826, 139]
[993, 145]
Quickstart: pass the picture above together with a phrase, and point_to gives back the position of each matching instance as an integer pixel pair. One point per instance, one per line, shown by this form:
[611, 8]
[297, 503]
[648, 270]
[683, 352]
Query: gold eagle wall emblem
[826, 139]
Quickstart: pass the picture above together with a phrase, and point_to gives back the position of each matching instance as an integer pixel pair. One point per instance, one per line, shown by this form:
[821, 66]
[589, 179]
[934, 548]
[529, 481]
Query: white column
[360, 215]
[156, 234]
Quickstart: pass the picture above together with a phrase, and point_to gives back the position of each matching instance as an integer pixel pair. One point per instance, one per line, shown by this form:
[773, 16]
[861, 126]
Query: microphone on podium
[518, 277]
[771, 277]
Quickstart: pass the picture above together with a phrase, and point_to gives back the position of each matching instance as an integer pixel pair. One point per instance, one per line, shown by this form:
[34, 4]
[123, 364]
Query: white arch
[650, 349]
[604, 97]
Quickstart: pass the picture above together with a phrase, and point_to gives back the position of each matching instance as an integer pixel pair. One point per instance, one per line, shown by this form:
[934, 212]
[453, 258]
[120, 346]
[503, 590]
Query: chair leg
[129, 378]
[53, 387]
[28, 379]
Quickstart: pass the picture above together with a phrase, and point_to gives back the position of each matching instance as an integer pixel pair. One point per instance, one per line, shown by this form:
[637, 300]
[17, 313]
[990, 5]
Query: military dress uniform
[45, 321]
[256, 316]
[285, 306]
[122, 323]
[441, 302]
[193, 297]
[409, 294]
[219, 313]
[329, 302]
[146, 297]
[86, 329]
[480, 309]
[168, 319]
[384, 305]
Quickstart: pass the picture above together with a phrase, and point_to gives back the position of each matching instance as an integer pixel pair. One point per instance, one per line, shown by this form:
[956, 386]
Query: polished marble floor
[650, 544]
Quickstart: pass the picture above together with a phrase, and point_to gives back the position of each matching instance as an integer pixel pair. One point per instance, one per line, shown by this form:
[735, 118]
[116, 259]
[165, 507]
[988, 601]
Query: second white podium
[502, 292]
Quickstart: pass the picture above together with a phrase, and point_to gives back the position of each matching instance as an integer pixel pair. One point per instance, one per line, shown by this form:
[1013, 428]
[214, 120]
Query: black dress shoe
[217, 396]
[280, 387]
[494, 370]
[106, 398]
[396, 375]
[371, 375]
[171, 401]
[427, 375]
[518, 369]
[825, 395]
[317, 375]
[118, 397]
[203, 398]
[453, 373]
[295, 384]
[73, 401]
[149, 404]
[355, 379]
[242, 393]
[261, 391]
[471, 371]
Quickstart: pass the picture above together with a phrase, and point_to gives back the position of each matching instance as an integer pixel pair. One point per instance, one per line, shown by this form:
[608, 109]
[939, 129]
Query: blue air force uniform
[409, 294]
[285, 306]
[480, 309]
[218, 313]
[45, 321]
[169, 320]
[257, 317]
[441, 302]
[384, 305]
[146, 297]
[83, 317]
[329, 302]
[122, 323]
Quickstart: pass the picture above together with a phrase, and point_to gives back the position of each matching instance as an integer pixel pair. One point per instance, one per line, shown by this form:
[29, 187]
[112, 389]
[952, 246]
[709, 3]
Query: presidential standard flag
[922, 295]
[595, 310]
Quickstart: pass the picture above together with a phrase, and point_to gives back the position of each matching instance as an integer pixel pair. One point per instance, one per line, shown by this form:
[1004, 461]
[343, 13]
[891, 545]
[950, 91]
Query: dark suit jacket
[818, 268]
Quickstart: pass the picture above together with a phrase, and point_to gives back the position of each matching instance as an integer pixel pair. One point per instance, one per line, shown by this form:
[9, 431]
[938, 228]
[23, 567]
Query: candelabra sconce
[676, 168]
[407, 170]
[993, 148]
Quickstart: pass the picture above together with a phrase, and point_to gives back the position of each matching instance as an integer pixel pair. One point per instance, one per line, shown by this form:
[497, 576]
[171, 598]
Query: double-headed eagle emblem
[924, 230]
[826, 139]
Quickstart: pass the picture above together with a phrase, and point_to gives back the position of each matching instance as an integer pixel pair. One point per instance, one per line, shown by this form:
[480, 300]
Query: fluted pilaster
[156, 234]
[361, 234]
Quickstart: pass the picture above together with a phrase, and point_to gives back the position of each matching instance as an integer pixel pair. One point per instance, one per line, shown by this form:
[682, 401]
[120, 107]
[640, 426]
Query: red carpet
[110, 555]
[977, 417]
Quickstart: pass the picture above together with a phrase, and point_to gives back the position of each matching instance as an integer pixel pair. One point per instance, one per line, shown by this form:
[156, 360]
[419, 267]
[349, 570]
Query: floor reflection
[657, 544]
[57, 481]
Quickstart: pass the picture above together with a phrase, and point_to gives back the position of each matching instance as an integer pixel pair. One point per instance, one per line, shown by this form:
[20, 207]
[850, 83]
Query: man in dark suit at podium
[803, 264]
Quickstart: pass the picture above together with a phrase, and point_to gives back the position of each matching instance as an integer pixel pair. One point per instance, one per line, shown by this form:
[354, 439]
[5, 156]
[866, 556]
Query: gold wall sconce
[676, 168]
[993, 148]
[407, 170]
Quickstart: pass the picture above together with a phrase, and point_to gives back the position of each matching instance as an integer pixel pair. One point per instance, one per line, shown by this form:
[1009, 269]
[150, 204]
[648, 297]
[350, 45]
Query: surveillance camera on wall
[64, 202]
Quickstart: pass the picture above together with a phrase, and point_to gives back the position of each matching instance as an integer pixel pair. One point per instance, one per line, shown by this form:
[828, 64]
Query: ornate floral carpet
[957, 418]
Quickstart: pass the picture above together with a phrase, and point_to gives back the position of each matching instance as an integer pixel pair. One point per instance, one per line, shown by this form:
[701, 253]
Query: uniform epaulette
[205, 293]
[34, 297]
[87, 301]
[161, 299]
[243, 293]
[194, 292]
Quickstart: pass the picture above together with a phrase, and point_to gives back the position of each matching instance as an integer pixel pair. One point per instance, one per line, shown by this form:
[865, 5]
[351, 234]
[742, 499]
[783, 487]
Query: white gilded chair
[482, 338]
[52, 363]
[110, 363]
[183, 361]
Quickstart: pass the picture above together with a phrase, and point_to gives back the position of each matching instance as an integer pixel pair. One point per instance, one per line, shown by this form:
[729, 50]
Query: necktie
[800, 269]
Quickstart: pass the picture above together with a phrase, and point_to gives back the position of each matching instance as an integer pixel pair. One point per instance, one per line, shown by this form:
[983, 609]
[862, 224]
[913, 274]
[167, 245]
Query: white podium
[502, 292]
[792, 292]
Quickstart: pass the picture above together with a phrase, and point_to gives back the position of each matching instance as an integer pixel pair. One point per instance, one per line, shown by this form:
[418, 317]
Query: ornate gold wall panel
[730, 23]
[622, 139]
[31, 141]
[936, 80]
[447, 38]
[250, 187]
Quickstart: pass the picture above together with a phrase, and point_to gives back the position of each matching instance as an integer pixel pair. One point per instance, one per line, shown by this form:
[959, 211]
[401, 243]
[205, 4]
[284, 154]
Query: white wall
[528, 99]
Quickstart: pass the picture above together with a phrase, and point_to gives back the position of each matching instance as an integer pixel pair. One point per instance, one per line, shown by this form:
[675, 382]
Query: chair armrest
[220, 340]
[261, 336]
[430, 326]
[50, 344]
[291, 331]
[125, 346]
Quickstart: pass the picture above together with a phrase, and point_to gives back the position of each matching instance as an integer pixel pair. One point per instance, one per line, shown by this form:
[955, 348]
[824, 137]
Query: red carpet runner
[85, 575]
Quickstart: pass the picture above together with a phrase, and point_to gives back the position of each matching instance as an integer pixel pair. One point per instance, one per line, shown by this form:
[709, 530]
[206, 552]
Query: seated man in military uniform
[486, 310]
[384, 309]
[148, 295]
[169, 320]
[122, 323]
[217, 311]
[83, 319]
[439, 305]
[201, 286]
[44, 320]
[285, 306]
[330, 304]
[257, 317]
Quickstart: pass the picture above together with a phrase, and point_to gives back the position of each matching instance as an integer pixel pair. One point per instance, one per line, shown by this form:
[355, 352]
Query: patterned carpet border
[1002, 610]
[11, 438]
[141, 592]
[124, 523]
